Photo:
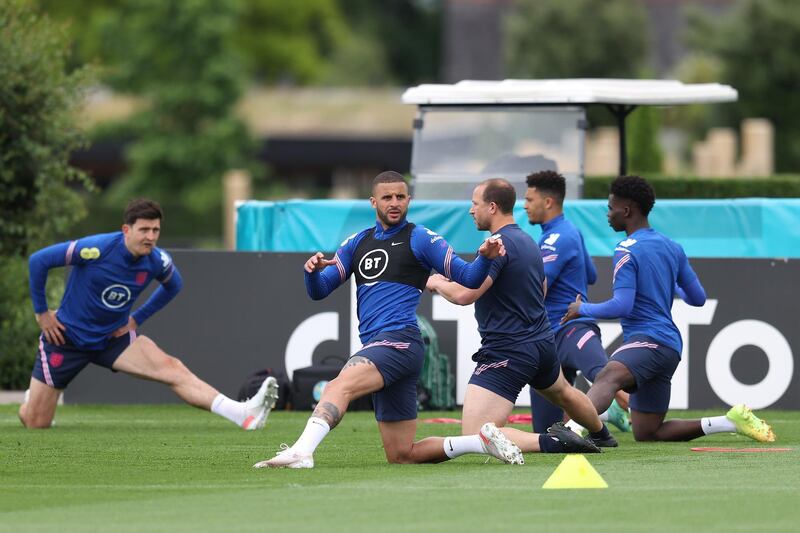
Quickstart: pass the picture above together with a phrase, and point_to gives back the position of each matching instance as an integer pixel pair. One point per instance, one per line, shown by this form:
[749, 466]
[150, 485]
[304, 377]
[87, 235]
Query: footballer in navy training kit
[569, 271]
[95, 322]
[390, 262]
[517, 346]
[649, 271]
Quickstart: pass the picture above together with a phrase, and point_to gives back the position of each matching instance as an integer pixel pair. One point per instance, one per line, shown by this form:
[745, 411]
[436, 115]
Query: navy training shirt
[512, 310]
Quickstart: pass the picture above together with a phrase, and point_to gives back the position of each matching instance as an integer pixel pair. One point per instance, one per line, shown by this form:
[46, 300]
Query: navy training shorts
[505, 371]
[652, 365]
[579, 347]
[57, 366]
[398, 355]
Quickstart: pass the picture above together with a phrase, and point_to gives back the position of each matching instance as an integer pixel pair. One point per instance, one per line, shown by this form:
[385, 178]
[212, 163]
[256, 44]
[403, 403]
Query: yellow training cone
[575, 472]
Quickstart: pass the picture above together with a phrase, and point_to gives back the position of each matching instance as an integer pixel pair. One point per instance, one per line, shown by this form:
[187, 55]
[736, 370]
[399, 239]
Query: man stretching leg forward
[391, 263]
[94, 323]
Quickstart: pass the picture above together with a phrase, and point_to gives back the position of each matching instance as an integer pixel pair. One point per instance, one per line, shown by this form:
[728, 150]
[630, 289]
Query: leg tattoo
[357, 360]
[329, 413]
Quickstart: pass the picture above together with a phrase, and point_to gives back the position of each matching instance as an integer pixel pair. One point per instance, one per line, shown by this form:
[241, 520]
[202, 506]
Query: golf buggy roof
[619, 96]
[570, 92]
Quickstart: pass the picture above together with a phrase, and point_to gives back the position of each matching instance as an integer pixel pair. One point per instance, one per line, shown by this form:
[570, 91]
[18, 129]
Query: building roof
[570, 92]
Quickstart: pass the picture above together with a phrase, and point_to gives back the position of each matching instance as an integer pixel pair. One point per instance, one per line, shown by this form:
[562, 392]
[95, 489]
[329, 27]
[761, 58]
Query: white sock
[457, 446]
[717, 424]
[233, 411]
[316, 429]
[604, 416]
[574, 426]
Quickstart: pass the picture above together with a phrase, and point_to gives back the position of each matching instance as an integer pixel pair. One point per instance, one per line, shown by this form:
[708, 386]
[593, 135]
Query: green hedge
[782, 186]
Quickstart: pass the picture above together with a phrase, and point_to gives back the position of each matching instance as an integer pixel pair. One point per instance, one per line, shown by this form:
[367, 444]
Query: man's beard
[385, 218]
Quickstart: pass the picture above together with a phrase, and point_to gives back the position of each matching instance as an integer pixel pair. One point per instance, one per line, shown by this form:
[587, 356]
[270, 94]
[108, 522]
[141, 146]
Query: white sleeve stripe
[447, 260]
[340, 267]
[70, 249]
[619, 265]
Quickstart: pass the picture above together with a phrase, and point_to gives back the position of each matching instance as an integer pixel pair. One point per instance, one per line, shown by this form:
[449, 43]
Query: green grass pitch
[174, 468]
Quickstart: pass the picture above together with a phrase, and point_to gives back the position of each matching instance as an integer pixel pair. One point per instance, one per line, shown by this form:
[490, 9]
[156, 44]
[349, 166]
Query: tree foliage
[290, 41]
[575, 39]
[407, 34]
[39, 191]
[309, 42]
[757, 46]
[178, 55]
[81, 19]
[644, 151]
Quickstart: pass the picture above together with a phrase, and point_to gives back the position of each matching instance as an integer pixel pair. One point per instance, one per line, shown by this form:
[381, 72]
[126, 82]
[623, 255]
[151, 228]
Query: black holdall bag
[308, 383]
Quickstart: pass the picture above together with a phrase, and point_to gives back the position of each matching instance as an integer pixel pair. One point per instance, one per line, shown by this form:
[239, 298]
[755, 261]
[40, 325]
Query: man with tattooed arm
[391, 262]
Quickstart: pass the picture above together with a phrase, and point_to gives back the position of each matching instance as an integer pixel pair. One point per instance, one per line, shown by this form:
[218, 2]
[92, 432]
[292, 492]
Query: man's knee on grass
[401, 456]
[34, 420]
[646, 426]
[644, 435]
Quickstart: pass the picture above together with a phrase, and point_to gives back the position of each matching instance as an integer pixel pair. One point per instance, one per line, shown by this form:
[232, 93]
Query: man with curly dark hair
[569, 271]
[649, 270]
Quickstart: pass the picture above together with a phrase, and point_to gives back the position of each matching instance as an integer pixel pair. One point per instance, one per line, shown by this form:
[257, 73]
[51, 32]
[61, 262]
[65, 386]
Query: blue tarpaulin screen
[748, 227]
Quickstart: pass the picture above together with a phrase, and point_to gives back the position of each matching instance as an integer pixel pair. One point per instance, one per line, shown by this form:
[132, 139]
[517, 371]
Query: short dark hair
[142, 208]
[500, 192]
[390, 176]
[636, 189]
[549, 183]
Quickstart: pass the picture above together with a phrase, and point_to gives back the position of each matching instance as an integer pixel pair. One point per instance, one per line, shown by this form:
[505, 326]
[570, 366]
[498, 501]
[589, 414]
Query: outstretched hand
[51, 327]
[573, 311]
[318, 262]
[492, 247]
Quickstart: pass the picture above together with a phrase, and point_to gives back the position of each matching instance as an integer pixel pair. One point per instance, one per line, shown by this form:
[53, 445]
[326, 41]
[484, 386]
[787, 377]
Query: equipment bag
[436, 388]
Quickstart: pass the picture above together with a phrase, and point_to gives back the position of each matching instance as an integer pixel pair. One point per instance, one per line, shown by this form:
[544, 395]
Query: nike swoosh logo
[451, 445]
[396, 243]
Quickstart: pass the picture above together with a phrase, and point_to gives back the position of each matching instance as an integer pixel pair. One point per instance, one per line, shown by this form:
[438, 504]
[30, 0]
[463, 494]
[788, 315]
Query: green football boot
[618, 417]
[750, 425]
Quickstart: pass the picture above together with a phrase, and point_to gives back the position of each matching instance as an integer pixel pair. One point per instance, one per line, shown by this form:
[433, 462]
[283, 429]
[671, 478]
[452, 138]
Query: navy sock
[602, 434]
[547, 444]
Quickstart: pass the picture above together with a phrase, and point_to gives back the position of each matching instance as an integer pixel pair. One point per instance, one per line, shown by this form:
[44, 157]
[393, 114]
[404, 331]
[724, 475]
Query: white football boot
[259, 406]
[288, 458]
[498, 445]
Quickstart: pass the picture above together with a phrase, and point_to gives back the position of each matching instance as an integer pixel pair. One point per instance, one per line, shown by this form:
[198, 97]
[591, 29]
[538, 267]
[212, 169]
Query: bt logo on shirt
[373, 264]
[116, 296]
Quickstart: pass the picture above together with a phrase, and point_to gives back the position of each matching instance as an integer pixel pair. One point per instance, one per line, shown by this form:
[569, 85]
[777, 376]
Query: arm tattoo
[357, 360]
[329, 413]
